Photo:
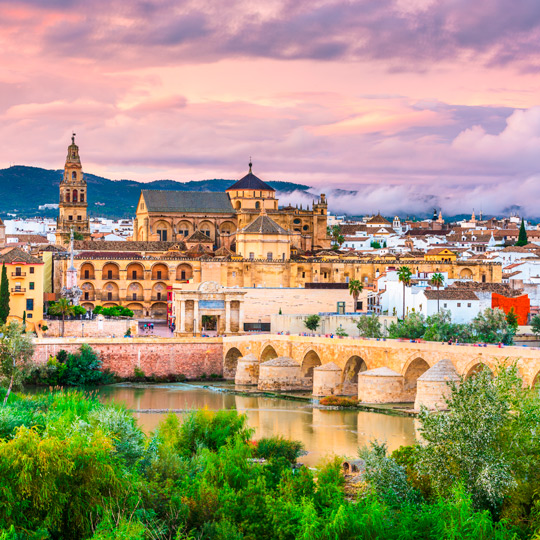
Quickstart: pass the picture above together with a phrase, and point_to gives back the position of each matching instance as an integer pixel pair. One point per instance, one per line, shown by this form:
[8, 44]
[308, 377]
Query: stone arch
[110, 304]
[110, 270]
[230, 361]
[163, 230]
[238, 205]
[466, 273]
[184, 229]
[475, 367]
[184, 272]
[110, 292]
[160, 271]
[87, 271]
[413, 370]
[75, 196]
[208, 228]
[310, 362]
[227, 227]
[268, 353]
[138, 310]
[536, 381]
[354, 365]
[135, 291]
[88, 306]
[89, 292]
[159, 292]
[159, 310]
[135, 270]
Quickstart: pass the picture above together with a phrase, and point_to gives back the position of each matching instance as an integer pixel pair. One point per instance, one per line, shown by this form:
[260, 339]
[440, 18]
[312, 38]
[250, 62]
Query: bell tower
[73, 205]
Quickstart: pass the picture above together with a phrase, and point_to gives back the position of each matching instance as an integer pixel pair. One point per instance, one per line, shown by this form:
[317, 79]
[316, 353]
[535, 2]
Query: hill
[23, 189]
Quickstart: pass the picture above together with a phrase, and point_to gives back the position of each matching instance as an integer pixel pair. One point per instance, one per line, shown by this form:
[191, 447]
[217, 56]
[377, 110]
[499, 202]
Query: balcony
[160, 278]
[18, 274]
[162, 298]
[136, 298]
[18, 290]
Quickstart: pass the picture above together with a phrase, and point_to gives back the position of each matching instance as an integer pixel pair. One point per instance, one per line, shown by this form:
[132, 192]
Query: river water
[323, 432]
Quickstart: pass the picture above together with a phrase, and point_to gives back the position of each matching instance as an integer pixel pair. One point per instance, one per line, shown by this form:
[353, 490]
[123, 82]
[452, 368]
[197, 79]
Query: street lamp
[82, 329]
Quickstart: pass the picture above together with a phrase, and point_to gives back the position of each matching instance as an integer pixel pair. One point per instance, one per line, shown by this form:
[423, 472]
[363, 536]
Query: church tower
[73, 199]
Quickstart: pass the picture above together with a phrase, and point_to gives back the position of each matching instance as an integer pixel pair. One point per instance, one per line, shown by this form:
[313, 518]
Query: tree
[77, 235]
[522, 238]
[535, 325]
[312, 322]
[437, 280]
[491, 326]
[487, 441]
[369, 326]
[375, 244]
[404, 275]
[62, 307]
[512, 320]
[355, 288]
[413, 326]
[4, 296]
[16, 351]
[337, 237]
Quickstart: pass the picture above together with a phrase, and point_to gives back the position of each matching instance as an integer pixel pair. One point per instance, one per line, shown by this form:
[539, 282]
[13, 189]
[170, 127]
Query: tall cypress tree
[522, 238]
[4, 296]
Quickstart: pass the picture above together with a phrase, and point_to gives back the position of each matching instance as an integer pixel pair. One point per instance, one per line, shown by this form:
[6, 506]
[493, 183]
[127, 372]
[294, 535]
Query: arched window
[238, 205]
[75, 196]
[257, 205]
[68, 196]
[74, 175]
[82, 196]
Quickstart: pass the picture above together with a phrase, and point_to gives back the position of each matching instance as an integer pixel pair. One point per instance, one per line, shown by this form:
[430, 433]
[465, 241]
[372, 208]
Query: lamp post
[82, 329]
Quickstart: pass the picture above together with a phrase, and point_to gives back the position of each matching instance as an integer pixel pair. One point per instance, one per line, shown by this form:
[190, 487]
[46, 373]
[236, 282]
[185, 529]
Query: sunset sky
[416, 103]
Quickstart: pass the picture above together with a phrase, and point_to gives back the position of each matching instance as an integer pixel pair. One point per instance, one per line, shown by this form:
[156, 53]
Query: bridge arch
[310, 362]
[475, 367]
[354, 365]
[414, 368]
[230, 362]
[268, 353]
[536, 381]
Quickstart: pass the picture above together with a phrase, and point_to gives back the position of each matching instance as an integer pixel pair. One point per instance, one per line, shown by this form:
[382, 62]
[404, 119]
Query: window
[86, 274]
[269, 256]
[86, 295]
[31, 286]
[134, 274]
[109, 296]
[28, 315]
[79, 218]
[134, 296]
[469, 304]
[459, 304]
[74, 174]
[303, 274]
[29, 304]
[70, 218]
[183, 275]
[162, 233]
[359, 306]
[445, 305]
[257, 205]
[252, 255]
[158, 274]
[234, 274]
[82, 196]
[31, 269]
[18, 271]
[158, 296]
[206, 231]
[109, 274]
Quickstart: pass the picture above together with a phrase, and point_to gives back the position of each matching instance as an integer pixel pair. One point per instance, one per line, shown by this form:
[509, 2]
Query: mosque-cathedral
[240, 238]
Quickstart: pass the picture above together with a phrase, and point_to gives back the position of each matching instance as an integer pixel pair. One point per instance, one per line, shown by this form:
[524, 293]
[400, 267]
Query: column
[195, 316]
[227, 316]
[241, 316]
[182, 316]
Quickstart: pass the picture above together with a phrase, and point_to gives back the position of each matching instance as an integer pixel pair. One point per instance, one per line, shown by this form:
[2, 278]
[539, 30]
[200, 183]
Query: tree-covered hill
[23, 189]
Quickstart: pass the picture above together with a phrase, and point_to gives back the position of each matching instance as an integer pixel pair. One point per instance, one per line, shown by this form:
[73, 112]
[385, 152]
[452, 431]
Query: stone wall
[294, 324]
[92, 328]
[191, 357]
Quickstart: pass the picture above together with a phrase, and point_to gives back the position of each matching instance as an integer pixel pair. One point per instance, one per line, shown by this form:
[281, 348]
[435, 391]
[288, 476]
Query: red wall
[521, 305]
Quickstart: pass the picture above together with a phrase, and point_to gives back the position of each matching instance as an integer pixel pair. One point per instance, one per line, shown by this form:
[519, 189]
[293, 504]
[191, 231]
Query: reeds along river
[323, 432]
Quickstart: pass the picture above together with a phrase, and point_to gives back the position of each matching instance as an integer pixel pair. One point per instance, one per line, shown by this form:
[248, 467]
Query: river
[324, 433]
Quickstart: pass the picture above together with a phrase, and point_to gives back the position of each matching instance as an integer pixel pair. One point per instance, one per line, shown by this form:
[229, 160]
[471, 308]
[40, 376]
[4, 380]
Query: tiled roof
[16, 255]
[89, 245]
[199, 236]
[107, 255]
[450, 294]
[250, 181]
[436, 251]
[378, 219]
[500, 288]
[30, 238]
[264, 225]
[206, 202]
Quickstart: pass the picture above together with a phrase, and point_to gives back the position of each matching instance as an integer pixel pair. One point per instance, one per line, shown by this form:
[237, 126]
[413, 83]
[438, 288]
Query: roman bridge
[334, 365]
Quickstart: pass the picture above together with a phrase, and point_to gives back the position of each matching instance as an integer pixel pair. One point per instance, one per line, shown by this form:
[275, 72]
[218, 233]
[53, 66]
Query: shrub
[312, 322]
[338, 401]
[369, 326]
[278, 447]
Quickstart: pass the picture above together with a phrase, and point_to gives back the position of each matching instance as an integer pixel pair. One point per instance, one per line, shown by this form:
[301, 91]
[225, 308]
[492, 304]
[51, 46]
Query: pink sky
[416, 103]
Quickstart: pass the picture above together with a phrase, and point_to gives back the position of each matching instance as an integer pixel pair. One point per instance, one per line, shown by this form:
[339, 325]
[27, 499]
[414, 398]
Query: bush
[369, 326]
[312, 322]
[338, 401]
[278, 447]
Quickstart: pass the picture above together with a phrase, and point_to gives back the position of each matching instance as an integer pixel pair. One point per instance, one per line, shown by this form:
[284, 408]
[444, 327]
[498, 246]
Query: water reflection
[324, 433]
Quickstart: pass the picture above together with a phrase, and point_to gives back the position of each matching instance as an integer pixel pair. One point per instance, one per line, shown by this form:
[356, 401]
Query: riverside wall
[192, 357]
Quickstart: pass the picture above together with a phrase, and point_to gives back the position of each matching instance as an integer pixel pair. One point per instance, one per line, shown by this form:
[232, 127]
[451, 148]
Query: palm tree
[437, 280]
[404, 275]
[62, 307]
[355, 288]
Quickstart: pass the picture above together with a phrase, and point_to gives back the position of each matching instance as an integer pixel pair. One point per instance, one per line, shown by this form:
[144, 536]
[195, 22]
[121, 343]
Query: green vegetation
[115, 311]
[83, 368]
[72, 467]
[338, 401]
[490, 326]
[535, 325]
[404, 275]
[437, 280]
[16, 351]
[355, 288]
[369, 326]
[340, 331]
[312, 322]
[522, 237]
[337, 237]
[375, 244]
[512, 320]
[64, 308]
[4, 296]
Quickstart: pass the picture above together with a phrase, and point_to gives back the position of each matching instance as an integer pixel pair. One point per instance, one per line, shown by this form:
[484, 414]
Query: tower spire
[250, 164]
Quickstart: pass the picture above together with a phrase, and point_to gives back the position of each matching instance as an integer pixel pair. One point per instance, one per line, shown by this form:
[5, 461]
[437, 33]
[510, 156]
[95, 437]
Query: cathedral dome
[250, 182]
